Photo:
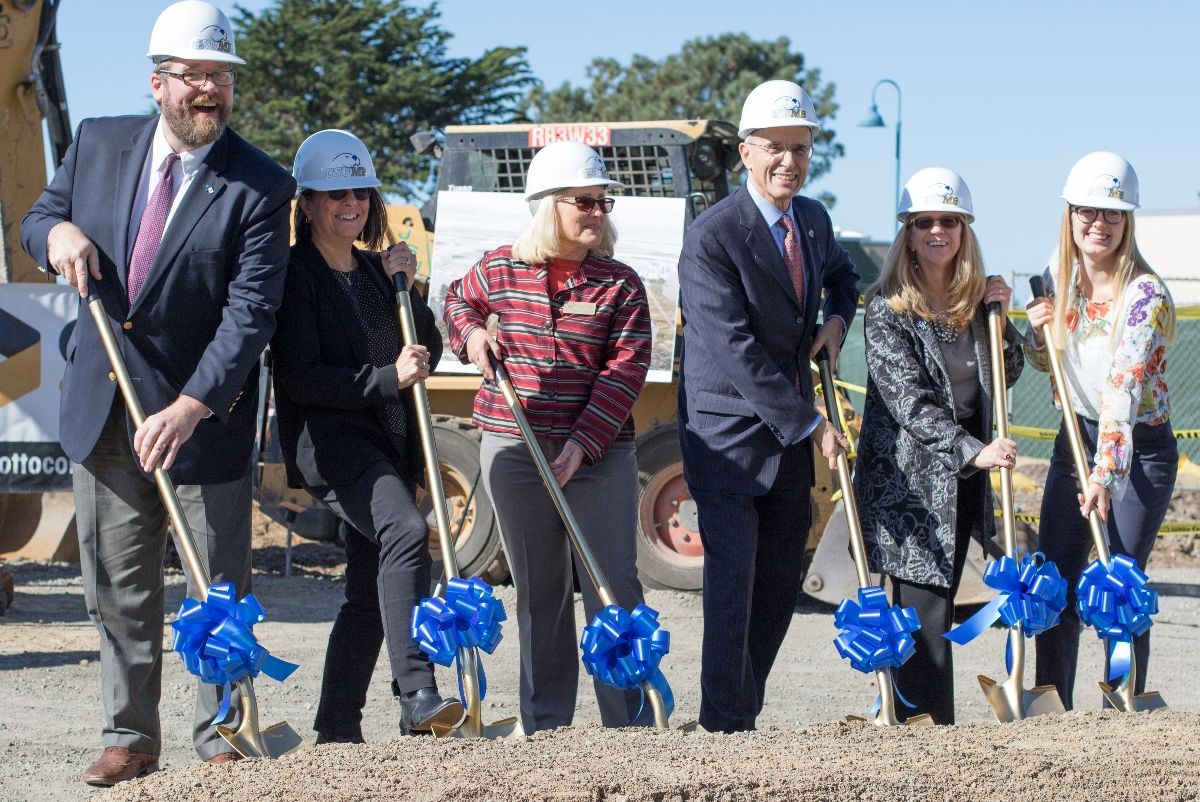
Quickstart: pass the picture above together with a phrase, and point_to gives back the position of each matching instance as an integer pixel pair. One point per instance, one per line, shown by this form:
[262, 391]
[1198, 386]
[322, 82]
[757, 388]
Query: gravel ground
[50, 731]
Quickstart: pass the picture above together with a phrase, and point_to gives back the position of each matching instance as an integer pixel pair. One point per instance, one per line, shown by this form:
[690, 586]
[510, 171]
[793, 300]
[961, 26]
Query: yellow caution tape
[1033, 432]
[848, 386]
[1174, 528]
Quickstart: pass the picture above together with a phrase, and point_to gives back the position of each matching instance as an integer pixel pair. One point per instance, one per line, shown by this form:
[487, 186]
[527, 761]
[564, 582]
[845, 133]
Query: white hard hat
[1103, 180]
[777, 103]
[193, 30]
[333, 159]
[935, 189]
[564, 164]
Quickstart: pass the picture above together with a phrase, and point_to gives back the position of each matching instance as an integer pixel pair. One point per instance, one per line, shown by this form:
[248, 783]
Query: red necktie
[150, 232]
[792, 256]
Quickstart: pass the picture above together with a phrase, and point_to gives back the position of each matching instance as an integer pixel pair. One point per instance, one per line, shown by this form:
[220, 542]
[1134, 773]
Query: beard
[192, 130]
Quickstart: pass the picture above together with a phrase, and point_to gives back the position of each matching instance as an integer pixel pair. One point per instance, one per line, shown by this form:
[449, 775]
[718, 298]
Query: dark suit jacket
[326, 388]
[746, 340]
[207, 308]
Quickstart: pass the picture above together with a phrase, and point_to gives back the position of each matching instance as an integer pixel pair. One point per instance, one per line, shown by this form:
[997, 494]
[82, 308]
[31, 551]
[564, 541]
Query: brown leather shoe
[224, 757]
[117, 764]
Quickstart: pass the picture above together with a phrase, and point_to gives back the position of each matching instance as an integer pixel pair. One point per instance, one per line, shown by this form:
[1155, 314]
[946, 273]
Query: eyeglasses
[1088, 214]
[338, 194]
[585, 203]
[926, 223]
[197, 78]
[778, 149]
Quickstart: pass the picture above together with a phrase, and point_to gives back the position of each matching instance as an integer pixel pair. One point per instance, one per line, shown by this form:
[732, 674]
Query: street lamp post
[873, 120]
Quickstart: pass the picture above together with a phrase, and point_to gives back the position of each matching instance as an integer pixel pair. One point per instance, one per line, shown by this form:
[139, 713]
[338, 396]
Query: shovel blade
[473, 728]
[278, 740]
[923, 720]
[1010, 703]
[1132, 703]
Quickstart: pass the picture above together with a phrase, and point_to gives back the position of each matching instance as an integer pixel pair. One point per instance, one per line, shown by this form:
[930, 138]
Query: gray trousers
[122, 542]
[603, 498]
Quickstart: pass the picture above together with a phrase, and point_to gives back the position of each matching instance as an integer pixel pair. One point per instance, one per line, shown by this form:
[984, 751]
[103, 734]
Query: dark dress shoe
[334, 738]
[224, 757]
[420, 710]
[117, 764]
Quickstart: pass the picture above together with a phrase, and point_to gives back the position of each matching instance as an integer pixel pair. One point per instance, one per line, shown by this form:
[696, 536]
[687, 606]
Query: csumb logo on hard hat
[940, 192]
[213, 37]
[1106, 185]
[594, 168]
[787, 106]
[345, 165]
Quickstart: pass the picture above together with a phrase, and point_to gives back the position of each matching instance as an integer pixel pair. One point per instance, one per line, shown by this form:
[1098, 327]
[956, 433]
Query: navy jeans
[1065, 538]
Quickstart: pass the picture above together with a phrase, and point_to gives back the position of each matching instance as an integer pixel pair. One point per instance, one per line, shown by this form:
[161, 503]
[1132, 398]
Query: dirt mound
[1077, 756]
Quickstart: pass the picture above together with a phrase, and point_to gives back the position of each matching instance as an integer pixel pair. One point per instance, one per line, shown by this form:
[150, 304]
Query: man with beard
[181, 228]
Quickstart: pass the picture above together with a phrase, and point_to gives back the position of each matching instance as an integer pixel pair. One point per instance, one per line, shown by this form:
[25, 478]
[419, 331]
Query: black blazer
[746, 340]
[207, 308]
[325, 384]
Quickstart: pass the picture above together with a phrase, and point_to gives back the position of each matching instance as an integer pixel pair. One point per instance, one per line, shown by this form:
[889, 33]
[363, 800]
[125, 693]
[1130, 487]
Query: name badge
[579, 308]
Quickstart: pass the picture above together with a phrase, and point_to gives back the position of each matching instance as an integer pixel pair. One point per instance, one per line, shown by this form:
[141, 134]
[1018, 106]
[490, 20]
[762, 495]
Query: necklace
[344, 275]
[942, 328]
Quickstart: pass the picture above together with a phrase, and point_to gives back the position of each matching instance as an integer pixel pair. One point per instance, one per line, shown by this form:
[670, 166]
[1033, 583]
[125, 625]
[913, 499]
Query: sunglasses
[586, 203]
[338, 194]
[926, 223]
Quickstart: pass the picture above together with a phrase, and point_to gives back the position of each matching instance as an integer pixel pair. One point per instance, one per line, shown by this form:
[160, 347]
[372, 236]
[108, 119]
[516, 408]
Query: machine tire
[478, 547]
[669, 552]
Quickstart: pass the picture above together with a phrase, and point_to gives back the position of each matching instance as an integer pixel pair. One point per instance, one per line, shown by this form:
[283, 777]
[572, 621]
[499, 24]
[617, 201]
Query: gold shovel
[248, 738]
[1122, 697]
[886, 716]
[472, 725]
[1009, 699]
[573, 531]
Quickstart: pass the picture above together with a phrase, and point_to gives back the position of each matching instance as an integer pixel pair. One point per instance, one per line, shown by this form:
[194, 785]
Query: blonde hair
[1130, 265]
[900, 284]
[541, 240]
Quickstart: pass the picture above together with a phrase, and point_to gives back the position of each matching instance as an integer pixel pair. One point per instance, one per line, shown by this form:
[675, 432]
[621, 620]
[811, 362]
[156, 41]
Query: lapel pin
[811, 233]
[208, 188]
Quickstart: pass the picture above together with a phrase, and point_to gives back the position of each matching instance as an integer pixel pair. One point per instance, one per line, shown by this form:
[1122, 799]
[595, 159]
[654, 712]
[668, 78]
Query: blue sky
[1007, 94]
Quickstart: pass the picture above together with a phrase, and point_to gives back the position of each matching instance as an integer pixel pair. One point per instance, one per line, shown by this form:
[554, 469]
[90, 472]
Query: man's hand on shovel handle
[159, 438]
[831, 442]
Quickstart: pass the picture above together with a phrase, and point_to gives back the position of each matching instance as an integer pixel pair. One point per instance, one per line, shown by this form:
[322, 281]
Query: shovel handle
[574, 533]
[420, 397]
[1071, 423]
[1000, 408]
[184, 541]
[857, 547]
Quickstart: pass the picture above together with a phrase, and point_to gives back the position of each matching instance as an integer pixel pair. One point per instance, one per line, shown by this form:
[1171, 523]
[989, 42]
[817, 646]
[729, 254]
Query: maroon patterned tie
[150, 232]
[792, 256]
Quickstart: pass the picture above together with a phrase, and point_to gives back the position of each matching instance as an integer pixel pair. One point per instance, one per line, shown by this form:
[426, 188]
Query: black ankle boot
[421, 709]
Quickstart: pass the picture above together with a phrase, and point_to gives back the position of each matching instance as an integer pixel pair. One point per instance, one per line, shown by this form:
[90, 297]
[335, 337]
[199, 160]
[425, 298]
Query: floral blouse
[1116, 382]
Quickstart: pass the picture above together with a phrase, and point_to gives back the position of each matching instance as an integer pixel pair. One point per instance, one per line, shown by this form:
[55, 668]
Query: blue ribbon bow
[624, 650]
[1032, 593]
[215, 638]
[1114, 599]
[873, 634]
[468, 616]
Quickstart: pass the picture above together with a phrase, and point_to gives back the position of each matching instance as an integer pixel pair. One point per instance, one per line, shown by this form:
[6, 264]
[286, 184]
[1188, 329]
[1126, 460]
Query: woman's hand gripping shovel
[1032, 593]
[213, 636]
[874, 636]
[468, 617]
[621, 649]
[1112, 593]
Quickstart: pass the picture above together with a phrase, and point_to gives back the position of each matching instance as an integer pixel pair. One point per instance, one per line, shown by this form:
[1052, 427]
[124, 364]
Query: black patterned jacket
[911, 452]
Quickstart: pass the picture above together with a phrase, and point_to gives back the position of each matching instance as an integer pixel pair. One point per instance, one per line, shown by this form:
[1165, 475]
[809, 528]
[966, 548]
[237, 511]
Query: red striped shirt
[577, 372]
